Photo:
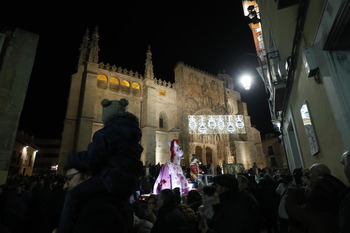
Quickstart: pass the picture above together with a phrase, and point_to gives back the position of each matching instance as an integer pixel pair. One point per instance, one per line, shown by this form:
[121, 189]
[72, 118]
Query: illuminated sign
[216, 124]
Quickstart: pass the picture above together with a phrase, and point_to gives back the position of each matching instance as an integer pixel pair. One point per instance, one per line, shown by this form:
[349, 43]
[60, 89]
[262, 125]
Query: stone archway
[198, 152]
[208, 155]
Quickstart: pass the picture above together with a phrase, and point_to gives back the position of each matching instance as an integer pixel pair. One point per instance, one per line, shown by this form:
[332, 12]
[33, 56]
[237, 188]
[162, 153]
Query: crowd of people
[307, 200]
[103, 185]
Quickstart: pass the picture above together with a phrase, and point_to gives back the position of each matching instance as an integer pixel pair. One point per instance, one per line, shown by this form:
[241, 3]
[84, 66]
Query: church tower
[80, 115]
[148, 64]
[158, 115]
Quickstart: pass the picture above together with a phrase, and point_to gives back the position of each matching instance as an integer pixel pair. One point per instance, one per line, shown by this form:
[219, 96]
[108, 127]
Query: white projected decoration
[239, 121]
[211, 123]
[202, 127]
[192, 123]
[221, 123]
[216, 124]
[230, 127]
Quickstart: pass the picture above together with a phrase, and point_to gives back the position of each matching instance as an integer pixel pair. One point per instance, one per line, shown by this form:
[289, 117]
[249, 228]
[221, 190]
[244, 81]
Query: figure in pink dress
[171, 175]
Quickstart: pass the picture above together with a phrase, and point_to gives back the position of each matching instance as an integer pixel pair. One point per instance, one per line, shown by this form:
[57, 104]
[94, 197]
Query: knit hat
[112, 107]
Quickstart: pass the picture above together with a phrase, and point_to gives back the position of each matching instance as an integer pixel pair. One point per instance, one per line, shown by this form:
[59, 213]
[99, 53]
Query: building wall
[47, 157]
[17, 54]
[23, 155]
[327, 135]
[321, 28]
[274, 151]
[261, 160]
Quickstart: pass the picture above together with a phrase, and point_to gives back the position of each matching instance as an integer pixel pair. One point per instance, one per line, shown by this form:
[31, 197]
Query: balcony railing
[277, 81]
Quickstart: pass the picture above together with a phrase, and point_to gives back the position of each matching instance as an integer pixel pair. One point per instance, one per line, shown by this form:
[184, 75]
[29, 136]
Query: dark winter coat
[104, 214]
[99, 204]
[319, 213]
[115, 152]
[170, 220]
[344, 213]
[231, 215]
[89, 208]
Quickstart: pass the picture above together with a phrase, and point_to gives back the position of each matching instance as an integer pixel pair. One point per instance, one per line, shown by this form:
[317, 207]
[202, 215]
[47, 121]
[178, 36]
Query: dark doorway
[198, 152]
[209, 155]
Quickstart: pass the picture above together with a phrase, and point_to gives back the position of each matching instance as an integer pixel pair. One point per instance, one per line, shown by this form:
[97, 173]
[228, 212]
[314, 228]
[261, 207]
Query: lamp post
[246, 81]
[275, 120]
[246, 78]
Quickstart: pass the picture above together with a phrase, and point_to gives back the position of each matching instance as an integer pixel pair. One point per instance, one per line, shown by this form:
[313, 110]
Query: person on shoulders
[103, 177]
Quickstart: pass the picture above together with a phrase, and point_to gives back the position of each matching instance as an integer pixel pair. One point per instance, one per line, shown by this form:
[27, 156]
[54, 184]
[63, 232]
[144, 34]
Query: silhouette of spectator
[169, 218]
[54, 204]
[194, 200]
[250, 201]
[141, 225]
[37, 206]
[186, 210]
[319, 213]
[316, 170]
[344, 212]
[100, 202]
[13, 209]
[151, 210]
[218, 170]
[285, 181]
[231, 213]
[206, 210]
[4, 229]
[268, 201]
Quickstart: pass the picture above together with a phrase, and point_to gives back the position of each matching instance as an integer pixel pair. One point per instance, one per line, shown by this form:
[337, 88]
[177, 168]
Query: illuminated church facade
[203, 111]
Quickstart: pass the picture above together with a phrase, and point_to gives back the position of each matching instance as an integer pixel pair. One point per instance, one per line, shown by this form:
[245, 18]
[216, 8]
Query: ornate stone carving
[191, 103]
[221, 109]
[213, 86]
[193, 79]
[204, 87]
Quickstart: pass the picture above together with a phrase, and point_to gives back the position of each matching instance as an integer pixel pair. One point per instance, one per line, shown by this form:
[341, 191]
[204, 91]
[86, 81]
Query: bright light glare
[246, 81]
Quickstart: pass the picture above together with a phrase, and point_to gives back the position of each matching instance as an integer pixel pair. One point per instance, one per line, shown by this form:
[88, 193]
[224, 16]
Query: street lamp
[247, 65]
[264, 72]
[246, 81]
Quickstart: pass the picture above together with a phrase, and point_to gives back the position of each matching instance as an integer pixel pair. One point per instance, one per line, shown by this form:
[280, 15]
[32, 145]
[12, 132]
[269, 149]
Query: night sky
[210, 37]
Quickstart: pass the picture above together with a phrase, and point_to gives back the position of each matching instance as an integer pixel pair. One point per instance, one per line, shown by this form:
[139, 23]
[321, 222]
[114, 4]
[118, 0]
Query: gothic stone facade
[162, 107]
